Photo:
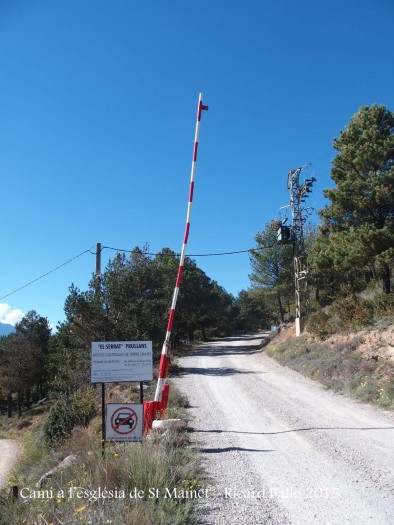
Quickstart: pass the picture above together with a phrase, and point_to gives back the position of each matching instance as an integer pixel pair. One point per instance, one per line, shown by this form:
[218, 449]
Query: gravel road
[280, 449]
[9, 450]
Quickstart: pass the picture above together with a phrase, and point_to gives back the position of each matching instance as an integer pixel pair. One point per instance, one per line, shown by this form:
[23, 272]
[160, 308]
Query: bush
[353, 312]
[23, 423]
[60, 422]
[84, 407]
[383, 304]
[69, 411]
[319, 324]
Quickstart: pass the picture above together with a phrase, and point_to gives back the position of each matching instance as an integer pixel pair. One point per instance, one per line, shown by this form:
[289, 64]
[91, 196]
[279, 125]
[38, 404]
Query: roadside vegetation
[130, 301]
[146, 482]
[350, 255]
[347, 346]
[340, 367]
[47, 401]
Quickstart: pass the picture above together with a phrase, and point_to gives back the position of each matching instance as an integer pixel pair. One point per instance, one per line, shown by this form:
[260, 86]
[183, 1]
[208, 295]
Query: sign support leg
[103, 419]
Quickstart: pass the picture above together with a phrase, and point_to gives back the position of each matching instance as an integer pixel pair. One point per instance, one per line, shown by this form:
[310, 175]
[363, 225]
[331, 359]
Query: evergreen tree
[253, 313]
[23, 357]
[272, 270]
[359, 222]
[133, 301]
[21, 363]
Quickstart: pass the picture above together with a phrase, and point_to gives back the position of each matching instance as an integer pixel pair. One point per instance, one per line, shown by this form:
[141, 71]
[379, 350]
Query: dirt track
[9, 450]
[279, 448]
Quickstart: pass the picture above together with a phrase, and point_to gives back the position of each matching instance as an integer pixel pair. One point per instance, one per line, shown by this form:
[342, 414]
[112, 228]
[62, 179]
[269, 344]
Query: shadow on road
[206, 350]
[218, 431]
[239, 338]
[231, 449]
[222, 371]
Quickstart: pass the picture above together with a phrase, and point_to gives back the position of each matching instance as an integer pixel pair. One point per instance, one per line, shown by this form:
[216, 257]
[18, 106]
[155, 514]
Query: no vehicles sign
[124, 422]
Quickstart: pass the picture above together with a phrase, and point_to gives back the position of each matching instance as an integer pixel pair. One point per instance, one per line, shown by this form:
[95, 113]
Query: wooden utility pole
[98, 292]
[98, 267]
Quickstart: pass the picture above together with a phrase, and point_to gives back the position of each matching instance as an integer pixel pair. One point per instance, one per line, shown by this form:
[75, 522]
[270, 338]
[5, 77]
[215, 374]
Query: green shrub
[69, 411]
[319, 324]
[353, 312]
[383, 304]
[358, 311]
[84, 407]
[60, 422]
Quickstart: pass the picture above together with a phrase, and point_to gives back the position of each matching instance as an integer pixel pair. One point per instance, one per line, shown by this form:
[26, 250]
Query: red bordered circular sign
[124, 420]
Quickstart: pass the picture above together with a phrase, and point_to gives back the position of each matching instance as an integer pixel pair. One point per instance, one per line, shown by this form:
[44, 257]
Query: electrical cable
[191, 254]
[323, 157]
[47, 273]
[89, 250]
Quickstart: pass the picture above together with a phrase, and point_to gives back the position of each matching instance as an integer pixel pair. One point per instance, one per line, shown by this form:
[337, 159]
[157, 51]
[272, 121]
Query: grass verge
[148, 483]
[339, 367]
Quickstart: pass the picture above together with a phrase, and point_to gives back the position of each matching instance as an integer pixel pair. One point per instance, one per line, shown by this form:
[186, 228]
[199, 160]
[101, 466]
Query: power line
[47, 273]
[191, 254]
[323, 157]
[89, 250]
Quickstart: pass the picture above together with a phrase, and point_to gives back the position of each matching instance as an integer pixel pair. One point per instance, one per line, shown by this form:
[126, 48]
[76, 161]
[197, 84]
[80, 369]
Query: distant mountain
[6, 329]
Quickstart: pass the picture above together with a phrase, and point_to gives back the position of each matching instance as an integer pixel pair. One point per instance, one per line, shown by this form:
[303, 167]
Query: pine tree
[360, 219]
[272, 270]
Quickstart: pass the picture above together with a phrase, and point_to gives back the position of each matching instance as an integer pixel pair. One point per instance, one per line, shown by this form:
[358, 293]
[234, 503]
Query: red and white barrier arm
[164, 359]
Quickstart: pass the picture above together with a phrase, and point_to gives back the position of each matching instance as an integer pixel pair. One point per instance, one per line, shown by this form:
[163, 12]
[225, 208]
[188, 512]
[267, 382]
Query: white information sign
[120, 361]
[124, 422]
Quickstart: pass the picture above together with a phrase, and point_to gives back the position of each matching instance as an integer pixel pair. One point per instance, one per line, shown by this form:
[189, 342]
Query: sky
[98, 105]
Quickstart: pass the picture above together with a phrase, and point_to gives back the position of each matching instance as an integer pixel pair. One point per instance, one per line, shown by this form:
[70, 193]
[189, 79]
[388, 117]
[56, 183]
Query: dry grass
[341, 367]
[152, 467]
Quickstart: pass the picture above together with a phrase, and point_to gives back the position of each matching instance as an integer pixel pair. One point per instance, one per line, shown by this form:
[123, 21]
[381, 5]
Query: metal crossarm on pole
[165, 358]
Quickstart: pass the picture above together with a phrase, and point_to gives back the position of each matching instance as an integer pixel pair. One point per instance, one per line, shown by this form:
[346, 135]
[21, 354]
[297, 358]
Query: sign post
[103, 419]
[117, 362]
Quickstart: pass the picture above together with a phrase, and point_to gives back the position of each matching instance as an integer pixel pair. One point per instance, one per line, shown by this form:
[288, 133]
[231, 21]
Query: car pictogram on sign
[124, 419]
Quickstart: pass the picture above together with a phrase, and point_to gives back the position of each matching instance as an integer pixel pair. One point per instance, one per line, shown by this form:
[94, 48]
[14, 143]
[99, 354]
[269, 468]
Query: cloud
[10, 315]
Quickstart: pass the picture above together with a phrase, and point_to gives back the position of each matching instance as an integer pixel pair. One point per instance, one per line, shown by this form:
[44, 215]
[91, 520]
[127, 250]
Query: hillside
[359, 364]
[370, 343]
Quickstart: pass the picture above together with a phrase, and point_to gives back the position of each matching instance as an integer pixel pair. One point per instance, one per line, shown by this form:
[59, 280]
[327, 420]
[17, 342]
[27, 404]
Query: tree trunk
[386, 279]
[19, 402]
[35, 395]
[9, 404]
[28, 398]
[282, 317]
